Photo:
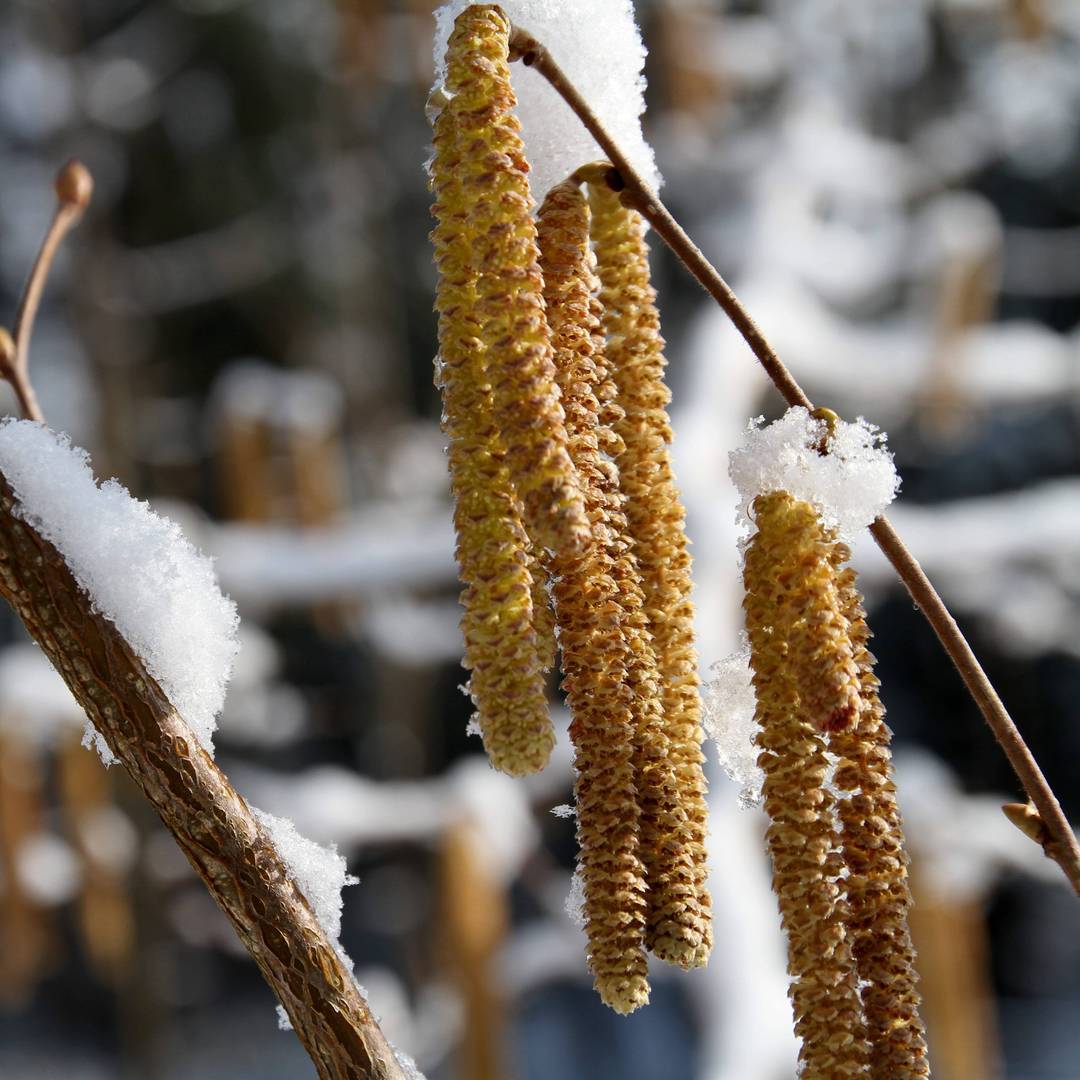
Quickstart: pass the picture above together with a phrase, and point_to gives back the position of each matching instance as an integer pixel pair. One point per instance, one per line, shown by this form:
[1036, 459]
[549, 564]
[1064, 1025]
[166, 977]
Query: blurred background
[241, 331]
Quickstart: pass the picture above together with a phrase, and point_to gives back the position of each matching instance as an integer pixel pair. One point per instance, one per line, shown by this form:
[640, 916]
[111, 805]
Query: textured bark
[212, 824]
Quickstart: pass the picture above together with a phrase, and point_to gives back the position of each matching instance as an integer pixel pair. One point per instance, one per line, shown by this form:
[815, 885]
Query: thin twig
[213, 826]
[1062, 844]
[74, 186]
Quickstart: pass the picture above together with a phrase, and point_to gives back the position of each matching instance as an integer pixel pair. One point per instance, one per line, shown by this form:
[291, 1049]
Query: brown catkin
[605, 674]
[802, 838]
[501, 650]
[509, 301]
[873, 848]
[677, 927]
[655, 513]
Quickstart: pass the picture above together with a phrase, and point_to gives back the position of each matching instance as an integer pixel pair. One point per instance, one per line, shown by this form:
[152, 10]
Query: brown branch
[1062, 845]
[212, 824]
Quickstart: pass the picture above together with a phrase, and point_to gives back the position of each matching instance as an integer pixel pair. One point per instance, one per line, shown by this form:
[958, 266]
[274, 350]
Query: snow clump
[320, 873]
[137, 568]
[849, 486]
[730, 703]
[598, 45]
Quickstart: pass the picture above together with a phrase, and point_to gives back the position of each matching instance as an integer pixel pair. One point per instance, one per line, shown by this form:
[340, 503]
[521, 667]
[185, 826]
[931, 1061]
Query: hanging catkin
[608, 681]
[677, 926]
[509, 302]
[501, 649]
[654, 510]
[873, 847]
[802, 837]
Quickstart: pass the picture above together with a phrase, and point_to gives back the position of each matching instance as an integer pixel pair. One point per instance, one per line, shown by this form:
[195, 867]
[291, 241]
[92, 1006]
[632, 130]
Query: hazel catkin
[802, 838]
[878, 894]
[501, 649]
[605, 678]
[509, 302]
[654, 510]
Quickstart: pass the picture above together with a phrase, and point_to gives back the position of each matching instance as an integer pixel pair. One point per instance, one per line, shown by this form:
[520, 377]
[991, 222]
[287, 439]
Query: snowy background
[241, 332]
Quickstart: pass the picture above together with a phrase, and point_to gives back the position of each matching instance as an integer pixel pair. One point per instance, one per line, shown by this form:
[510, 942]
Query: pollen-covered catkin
[676, 924]
[604, 677]
[501, 651]
[656, 516]
[802, 838]
[873, 848]
[509, 302]
[820, 651]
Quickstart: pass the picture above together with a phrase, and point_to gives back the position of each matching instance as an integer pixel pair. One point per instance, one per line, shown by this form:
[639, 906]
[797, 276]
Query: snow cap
[598, 45]
[849, 486]
[136, 567]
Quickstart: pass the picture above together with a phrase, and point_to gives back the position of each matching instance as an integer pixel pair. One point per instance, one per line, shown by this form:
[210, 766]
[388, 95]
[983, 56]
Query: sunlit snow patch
[598, 45]
[136, 567]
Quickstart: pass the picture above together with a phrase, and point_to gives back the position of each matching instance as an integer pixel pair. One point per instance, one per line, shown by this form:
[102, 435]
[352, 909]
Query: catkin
[873, 847]
[676, 925]
[509, 301]
[802, 837]
[654, 510]
[605, 663]
[820, 650]
[501, 650]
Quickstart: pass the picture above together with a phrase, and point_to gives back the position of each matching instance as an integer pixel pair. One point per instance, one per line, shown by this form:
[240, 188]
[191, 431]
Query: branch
[1062, 844]
[212, 824]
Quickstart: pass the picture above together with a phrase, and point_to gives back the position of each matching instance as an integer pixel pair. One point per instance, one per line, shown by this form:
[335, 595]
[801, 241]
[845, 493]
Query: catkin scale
[509, 304]
[654, 511]
[501, 648]
[802, 838]
[605, 663]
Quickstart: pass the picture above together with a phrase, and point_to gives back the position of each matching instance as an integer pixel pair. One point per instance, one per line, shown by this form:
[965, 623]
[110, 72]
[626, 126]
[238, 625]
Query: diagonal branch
[1061, 845]
[213, 825]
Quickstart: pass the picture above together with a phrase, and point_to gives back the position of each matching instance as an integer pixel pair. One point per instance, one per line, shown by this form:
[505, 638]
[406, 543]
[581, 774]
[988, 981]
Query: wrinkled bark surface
[213, 825]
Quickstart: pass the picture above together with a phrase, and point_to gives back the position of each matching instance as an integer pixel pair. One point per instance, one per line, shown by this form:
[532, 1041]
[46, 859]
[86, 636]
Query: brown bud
[74, 185]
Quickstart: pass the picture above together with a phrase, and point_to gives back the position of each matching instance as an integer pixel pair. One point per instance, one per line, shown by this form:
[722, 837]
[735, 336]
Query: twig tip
[74, 185]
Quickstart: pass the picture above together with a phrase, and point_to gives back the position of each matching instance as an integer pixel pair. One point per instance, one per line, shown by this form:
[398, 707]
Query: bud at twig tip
[74, 185]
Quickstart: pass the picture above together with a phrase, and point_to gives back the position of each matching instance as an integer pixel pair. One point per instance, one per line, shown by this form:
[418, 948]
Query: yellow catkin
[878, 894]
[501, 651]
[676, 925]
[820, 651]
[802, 836]
[654, 510]
[509, 301]
[606, 674]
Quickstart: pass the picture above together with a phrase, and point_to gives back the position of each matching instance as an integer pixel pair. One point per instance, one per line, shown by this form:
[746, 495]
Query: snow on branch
[136, 567]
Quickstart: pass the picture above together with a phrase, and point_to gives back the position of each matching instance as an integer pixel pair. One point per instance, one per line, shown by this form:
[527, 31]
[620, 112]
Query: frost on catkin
[654, 510]
[501, 649]
[802, 838]
[607, 677]
[509, 302]
[873, 848]
[677, 926]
